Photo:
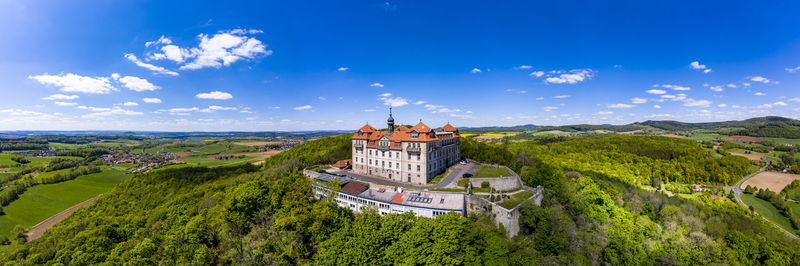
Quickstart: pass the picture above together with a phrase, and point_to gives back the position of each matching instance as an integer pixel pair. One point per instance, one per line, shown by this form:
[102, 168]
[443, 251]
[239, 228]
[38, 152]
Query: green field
[793, 194]
[205, 161]
[491, 171]
[42, 201]
[203, 148]
[704, 137]
[769, 211]
[516, 199]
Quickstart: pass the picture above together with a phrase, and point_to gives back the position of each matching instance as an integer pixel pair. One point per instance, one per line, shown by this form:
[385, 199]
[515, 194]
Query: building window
[417, 168]
[414, 135]
[390, 164]
[397, 144]
[409, 166]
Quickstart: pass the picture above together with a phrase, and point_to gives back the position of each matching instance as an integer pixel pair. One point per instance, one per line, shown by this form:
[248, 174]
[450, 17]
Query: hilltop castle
[413, 155]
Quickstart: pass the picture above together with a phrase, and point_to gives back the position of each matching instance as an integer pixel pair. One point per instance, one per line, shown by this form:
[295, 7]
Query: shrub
[462, 182]
[485, 184]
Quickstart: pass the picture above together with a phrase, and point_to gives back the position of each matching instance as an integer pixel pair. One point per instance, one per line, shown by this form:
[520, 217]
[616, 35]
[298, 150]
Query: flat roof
[449, 201]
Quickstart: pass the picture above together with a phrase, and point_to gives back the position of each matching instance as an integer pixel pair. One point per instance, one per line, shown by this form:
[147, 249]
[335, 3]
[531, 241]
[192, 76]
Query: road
[456, 171]
[737, 191]
[37, 230]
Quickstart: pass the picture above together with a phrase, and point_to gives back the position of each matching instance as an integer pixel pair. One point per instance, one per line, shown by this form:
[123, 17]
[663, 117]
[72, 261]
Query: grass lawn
[769, 211]
[447, 189]
[491, 171]
[438, 178]
[42, 201]
[516, 199]
[784, 141]
[794, 194]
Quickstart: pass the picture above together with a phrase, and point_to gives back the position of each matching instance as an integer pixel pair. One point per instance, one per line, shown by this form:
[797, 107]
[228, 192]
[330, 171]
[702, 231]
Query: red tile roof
[449, 128]
[398, 198]
[343, 163]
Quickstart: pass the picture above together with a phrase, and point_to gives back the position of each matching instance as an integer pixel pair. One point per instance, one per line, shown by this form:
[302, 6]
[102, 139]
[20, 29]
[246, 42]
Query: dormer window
[360, 133]
[414, 135]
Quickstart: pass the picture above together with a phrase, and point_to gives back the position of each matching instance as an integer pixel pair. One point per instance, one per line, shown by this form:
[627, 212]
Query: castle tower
[390, 121]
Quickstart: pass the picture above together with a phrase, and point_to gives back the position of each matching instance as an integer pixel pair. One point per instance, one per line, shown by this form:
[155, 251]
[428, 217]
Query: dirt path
[37, 230]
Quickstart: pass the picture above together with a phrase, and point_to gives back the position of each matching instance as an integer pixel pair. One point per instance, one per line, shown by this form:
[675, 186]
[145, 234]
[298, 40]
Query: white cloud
[214, 95]
[433, 107]
[218, 108]
[419, 102]
[745, 84]
[657, 106]
[716, 88]
[656, 91]
[174, 53]
[100, 112]
[137, 84]
[604, 113]
[523, 92]
[523, 67]
[322, 98]
[562, 96]
[475, 70]
[638, 100]
[731, 85]
[539, 98]
[760, 79]
[393, 102]
[620, 106]
[384, 95]
[161, 40]
[446, 110]
[369, 110]
[130, 104]
[676, 87]
[151, 100]
[794, 100]
[759, 94]
[75, 83]
[341, 69]
[223, 49]
[210, 109]
[151, 67]
[574, 76]
[59, 96]
[698, 66]
[537, 74]
[376, 84]
[792, 70]
[65, 103]
[304, 107]
[274, 107]
[549, 108]
[697, 103]
[722, 105]
[779, 104]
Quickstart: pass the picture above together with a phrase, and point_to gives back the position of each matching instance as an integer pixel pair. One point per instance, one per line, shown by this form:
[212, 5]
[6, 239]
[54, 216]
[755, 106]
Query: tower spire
[390, 121]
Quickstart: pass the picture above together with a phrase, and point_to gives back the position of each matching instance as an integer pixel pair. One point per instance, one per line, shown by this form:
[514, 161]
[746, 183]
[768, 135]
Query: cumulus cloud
[604, 113]
[657, 106]
[731, 85]
[304, 107]
[537, 74]
[793, 69]
[722, 105]
[214, 95]
[101, 112]
[130, 104]
[620, 106]
[760, 79]
[75, 83]
[562, 96]
[161, 40]
[571, 77]
[151, 100]
[393, 102]
[697, 103]
[151, 67]
[539, 98]
[186, 111]
[676, 87]
[794, 100]
[716, 88]
[137, 84]
[419, 102]
[696, 65]
[342, 69]
[549, 108]
[433, 107]
[524, 67]
[376, 84]
[638, 100]
[446, 110]
[65, 103]
[59, 96]
[656, 91]
[369, 110]
[759, 94]
[221, 49]
[475, 71]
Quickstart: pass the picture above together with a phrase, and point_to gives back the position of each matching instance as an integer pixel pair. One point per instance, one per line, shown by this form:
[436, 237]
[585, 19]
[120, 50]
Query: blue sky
[306, 65]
